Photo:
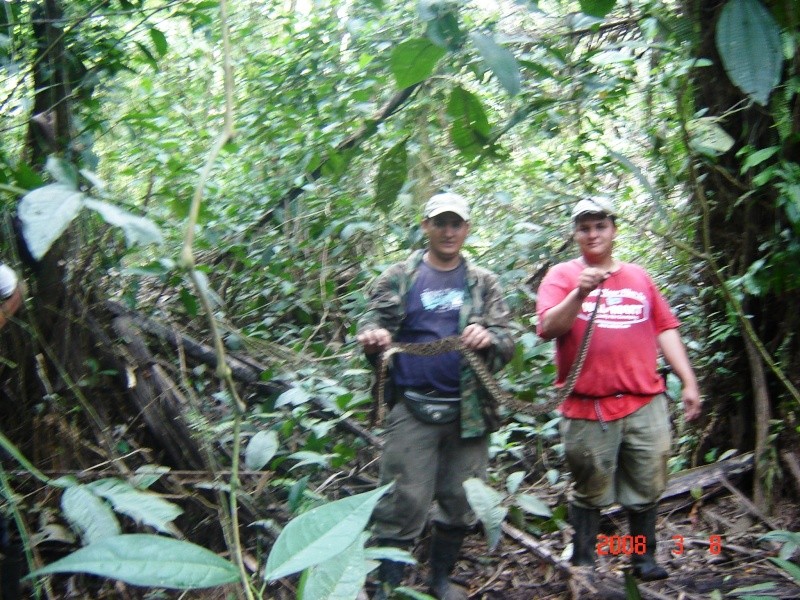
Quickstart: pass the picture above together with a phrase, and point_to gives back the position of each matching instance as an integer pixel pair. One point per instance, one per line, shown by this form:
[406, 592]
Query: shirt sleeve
[555, 286]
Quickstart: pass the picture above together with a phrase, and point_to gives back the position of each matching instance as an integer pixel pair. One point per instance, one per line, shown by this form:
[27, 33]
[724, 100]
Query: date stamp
[714, 545]
[614, 545]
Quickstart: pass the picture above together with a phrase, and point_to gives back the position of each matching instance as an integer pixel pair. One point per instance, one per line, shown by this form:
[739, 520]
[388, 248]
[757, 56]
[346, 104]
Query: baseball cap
[595, 205]
[447, 202]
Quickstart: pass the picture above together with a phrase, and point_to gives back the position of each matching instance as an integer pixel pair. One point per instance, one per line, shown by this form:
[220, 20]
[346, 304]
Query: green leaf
[759, 156]
[15, 453]
[597, 8]
[294, 396]
[444, 31]
[707, 137]
[159, 41]
[142, 506]
[470, 128]
[533, 505]
[789, 567]
[307, 457]
[413, 61]
[749, 43]
[262, 447]
[321, 533]
[92, 518]
[501, 62]
[46, 213]
[392, 174]
[148, 56]
[137, 230]
[148, 560]
[487, 504]
[338, 578]
[760, 587]
[513, 481]
[631, 589]
[147, 475]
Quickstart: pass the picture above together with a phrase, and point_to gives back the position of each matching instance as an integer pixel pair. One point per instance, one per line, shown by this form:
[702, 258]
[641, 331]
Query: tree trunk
[741, 229]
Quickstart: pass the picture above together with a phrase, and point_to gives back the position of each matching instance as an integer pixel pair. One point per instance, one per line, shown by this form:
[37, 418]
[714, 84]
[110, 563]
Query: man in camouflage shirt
[436, 434]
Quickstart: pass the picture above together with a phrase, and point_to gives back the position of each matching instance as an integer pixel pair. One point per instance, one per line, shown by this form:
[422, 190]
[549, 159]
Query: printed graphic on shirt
[442, 300]
[619, 309]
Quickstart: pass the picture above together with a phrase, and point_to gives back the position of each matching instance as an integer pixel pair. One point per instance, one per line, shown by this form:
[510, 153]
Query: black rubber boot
[585, 522]
[390, 572]
[445, 546]
[645, 566]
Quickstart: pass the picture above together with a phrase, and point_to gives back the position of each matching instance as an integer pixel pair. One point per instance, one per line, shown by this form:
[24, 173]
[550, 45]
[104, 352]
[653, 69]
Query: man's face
[446, 234]
[595, 235]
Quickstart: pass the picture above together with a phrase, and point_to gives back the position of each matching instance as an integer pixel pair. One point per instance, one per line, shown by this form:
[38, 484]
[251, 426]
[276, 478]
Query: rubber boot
[585, 522]
[645, 566]
[445, 546]
[390, 572]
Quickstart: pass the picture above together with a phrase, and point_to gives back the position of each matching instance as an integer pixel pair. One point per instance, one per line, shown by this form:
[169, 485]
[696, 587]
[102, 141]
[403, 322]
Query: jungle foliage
[242, 169]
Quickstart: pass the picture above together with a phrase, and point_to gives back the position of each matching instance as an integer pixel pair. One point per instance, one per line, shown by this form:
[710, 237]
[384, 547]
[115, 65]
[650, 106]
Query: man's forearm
[559, 320]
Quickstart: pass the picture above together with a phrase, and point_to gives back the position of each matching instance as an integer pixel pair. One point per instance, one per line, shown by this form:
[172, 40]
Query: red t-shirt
[620, 367]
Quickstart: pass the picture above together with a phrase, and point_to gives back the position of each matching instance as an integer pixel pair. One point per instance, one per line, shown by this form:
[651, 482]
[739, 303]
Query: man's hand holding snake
[476, 337]
[375, 340]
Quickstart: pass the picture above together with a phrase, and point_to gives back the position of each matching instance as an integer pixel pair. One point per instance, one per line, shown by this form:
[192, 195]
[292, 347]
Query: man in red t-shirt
[616, 429]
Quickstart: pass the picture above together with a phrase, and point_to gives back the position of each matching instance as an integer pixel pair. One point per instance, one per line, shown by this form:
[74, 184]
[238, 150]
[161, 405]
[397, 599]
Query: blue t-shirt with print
[433, 306]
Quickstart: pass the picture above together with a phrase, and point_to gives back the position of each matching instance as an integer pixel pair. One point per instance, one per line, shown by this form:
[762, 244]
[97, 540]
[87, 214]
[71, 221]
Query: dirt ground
[709, 550]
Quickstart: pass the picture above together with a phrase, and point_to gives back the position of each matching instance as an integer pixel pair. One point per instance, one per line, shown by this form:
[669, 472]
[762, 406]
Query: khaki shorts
[625, 463]
[427, 463]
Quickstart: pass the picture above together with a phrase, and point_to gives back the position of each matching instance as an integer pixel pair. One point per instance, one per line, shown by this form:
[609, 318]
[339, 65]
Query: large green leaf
[321, 533]
[470, 128]
[707, 137]
[488, 506]
[788, 566]
[262, 447]
[340, 577]
[89, 515]
[533, 505]
[45, 214]
[392, 174]
[143, 507]
[148, 560]
[500, 60]
[597, 8]
[749, 43]
[138, 230]
[413, 61]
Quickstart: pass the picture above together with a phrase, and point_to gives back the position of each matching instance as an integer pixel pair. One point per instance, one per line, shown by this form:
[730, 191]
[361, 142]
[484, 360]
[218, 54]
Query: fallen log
[711, 479]
[708, 476]
[245, 370]
[158, 398]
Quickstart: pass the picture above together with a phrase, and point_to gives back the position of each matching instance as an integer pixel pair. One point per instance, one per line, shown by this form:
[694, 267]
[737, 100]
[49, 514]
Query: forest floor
[710, 551]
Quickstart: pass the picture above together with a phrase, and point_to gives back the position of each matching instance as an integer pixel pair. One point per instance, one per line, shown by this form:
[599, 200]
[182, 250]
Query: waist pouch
[433, 410]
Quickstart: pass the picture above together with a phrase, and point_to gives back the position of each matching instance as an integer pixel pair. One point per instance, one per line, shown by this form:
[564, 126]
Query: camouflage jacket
[483, 304]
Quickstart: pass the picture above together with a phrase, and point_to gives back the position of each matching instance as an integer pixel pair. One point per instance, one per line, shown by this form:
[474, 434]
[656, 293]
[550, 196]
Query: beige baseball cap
[447, 202]
[598, 205]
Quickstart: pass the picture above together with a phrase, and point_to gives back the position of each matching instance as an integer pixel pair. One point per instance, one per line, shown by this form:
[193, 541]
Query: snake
[497, 394]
